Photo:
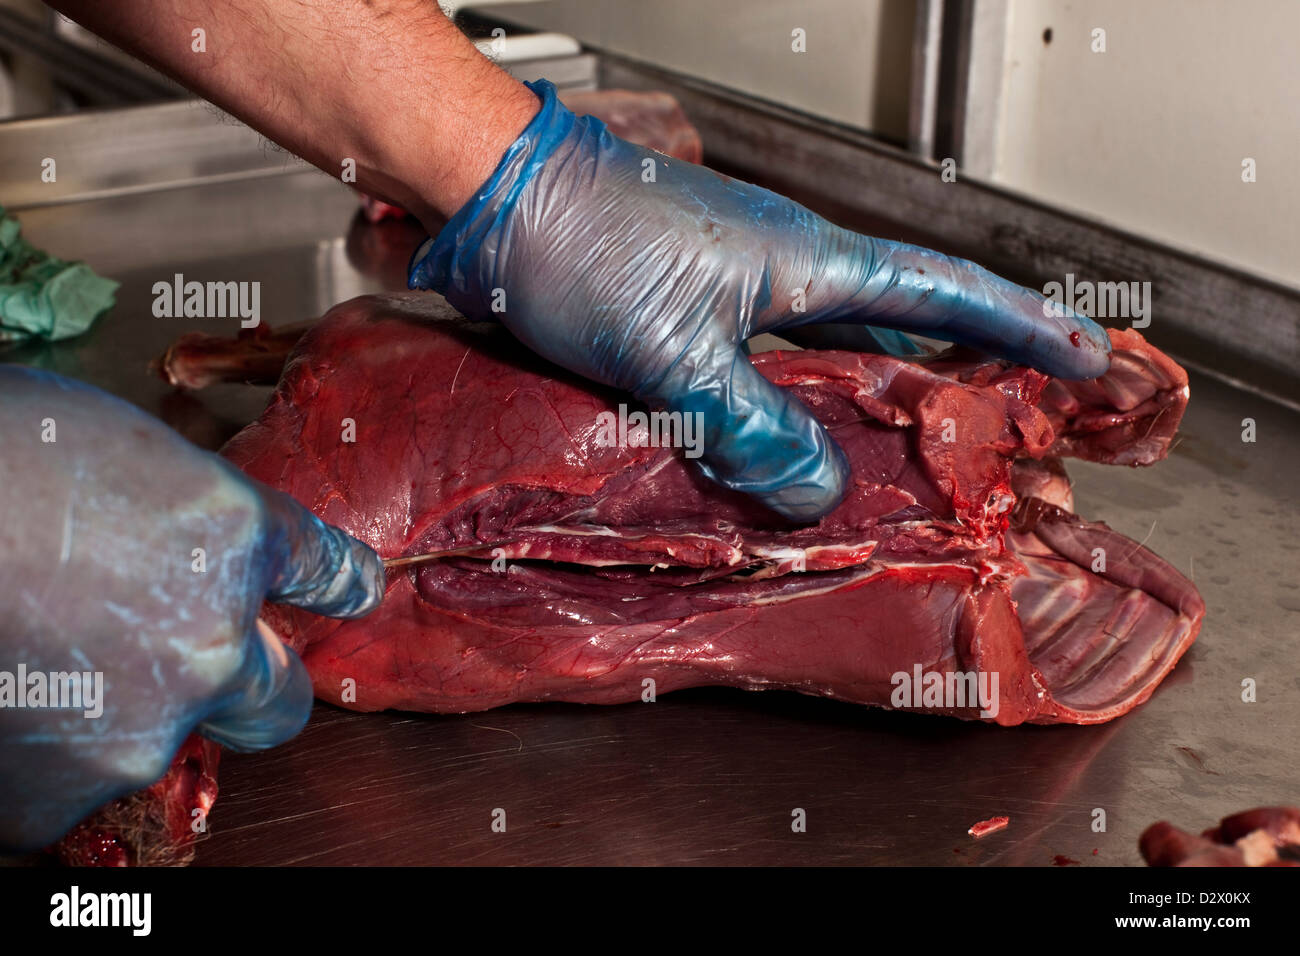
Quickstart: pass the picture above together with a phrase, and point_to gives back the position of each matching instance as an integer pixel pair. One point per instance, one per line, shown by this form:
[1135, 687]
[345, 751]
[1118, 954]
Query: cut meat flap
[1127, 417]
[1101, 640]
[618, 565]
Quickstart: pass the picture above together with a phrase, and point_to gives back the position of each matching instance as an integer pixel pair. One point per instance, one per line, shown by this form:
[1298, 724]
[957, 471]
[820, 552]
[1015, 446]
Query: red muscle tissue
[955, 552]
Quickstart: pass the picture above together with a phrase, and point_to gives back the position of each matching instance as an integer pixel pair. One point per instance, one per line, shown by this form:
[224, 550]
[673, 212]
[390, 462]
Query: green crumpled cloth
[42, 297]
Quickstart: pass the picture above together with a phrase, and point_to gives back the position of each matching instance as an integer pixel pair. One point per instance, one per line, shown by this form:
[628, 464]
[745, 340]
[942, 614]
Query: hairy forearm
[390, 84]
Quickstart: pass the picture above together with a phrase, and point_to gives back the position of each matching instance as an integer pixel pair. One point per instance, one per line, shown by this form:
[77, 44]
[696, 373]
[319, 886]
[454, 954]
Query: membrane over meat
[953, 559]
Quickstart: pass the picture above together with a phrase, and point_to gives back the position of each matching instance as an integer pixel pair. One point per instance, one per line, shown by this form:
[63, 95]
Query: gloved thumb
[757, 439]
[270, 699]
[316, 566]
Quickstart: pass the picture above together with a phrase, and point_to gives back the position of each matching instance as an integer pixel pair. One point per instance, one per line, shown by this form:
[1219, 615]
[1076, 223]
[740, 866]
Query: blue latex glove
[97, 574]
[652, 287]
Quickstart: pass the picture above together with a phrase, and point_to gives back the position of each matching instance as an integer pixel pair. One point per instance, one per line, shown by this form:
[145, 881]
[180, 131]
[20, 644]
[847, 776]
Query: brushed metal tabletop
[713, 776]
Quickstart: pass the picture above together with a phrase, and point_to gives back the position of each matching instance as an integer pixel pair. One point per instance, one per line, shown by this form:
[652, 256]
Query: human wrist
[450, 261]
[459, 151]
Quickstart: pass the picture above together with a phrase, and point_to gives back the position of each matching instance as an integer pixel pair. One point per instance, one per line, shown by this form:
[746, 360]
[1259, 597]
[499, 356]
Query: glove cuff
[449, 262]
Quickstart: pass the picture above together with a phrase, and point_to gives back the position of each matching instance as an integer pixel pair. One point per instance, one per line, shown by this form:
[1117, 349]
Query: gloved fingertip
[270, 700]
[350, 584]
[1088, 355]
[766, 443]
[813, 487]
[1049, 336]
[316, 566]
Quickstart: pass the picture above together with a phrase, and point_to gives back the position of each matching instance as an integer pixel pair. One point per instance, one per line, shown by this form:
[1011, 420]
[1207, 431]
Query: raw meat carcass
[603, 568]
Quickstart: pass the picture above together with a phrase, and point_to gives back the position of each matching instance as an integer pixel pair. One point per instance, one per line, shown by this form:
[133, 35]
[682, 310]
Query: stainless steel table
[707, 776]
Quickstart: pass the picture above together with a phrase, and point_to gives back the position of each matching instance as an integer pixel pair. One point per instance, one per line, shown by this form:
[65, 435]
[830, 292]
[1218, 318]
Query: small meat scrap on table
[991, 825]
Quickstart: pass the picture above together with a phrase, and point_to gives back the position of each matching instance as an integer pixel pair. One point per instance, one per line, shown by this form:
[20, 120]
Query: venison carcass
[587, 569]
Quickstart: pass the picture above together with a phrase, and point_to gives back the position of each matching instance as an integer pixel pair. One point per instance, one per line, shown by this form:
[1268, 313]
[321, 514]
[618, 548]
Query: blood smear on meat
[991, 825]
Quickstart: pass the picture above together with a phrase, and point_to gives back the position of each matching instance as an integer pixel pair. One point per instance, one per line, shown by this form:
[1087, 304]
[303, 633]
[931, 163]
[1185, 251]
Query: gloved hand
[130, 553]
[652, 287]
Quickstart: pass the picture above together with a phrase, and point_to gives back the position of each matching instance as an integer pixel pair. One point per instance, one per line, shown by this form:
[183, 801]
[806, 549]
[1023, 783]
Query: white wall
[1150, 135]
[855, 70]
